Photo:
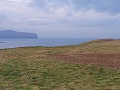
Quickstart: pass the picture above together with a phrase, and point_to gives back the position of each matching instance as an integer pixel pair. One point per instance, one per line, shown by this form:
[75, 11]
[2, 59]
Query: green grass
[52, 74]
[32, 68]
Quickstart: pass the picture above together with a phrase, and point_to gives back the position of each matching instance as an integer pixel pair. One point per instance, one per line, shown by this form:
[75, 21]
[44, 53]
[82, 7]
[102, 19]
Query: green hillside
[92, 65]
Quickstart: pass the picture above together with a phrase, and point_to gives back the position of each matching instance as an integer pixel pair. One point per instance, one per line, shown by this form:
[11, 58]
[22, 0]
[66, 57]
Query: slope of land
[93, 65]
[17, 35]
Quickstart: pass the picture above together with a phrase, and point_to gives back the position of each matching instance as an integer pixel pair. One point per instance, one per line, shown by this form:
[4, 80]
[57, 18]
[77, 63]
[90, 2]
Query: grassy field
[92, 65]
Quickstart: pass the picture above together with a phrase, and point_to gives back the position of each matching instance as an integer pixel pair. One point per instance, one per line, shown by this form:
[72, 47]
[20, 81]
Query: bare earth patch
[104, 52]
[109, 60]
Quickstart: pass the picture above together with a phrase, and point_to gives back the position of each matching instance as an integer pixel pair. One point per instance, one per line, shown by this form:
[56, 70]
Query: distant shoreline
[87, 42]
[48, 42]
[2, 42]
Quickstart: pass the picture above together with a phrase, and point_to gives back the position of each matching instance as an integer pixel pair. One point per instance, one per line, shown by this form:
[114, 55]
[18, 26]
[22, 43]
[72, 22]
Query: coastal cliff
[10, 34]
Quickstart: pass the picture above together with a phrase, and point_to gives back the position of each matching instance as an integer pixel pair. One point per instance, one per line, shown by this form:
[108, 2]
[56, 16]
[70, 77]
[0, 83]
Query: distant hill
[17, 35]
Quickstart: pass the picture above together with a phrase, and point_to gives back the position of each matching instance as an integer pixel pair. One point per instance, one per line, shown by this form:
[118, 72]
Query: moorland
[93, 65]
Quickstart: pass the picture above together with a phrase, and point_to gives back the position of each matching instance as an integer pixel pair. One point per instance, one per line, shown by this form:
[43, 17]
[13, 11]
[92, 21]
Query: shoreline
[96, 40]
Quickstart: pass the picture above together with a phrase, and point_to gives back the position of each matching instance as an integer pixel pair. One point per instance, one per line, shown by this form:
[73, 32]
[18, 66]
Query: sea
[46, 42]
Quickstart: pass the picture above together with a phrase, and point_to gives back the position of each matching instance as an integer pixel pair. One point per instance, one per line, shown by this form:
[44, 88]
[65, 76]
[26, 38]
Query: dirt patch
[110, 60]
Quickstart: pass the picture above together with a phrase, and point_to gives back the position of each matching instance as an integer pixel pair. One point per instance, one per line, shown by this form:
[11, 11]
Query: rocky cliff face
[10, 34]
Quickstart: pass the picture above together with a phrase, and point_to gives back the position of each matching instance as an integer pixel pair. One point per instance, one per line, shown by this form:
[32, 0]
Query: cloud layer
[62, 18]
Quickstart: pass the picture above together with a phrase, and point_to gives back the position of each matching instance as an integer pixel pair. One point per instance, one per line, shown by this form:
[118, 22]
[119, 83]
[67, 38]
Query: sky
[62, 18]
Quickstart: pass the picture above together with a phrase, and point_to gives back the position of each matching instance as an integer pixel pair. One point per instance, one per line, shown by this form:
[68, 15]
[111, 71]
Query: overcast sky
[62, 18]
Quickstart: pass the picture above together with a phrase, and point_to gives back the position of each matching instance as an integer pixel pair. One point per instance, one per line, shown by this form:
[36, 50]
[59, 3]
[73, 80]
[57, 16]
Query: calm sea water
[14, 43]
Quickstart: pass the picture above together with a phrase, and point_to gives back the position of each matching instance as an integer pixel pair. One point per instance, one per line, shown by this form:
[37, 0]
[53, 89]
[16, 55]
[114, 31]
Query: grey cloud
[111, 6]
[37, 23]
[3, 17]
[87, 23]
[47, 4]
[44, 3]
[39, 3]
[69, 14]
[60, 2]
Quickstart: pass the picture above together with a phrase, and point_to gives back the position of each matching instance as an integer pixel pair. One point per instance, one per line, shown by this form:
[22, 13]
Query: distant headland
[11, 34]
